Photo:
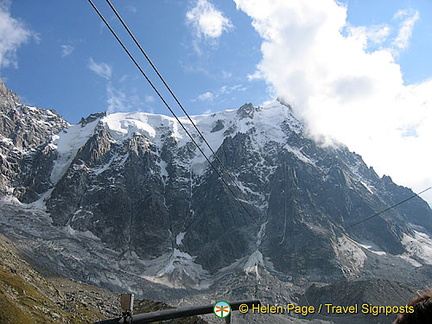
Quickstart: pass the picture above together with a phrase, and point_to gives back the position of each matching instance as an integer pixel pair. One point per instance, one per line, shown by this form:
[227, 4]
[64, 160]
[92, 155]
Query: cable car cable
[387, 209]
[137, 43]
[169, 107]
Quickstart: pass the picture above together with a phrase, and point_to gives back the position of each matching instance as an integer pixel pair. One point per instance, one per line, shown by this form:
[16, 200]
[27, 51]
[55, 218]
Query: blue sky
[358, 71]
[54, 66]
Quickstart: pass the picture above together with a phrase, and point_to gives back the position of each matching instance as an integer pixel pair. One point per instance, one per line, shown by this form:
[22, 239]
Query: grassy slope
[33, 294]
[28, 297]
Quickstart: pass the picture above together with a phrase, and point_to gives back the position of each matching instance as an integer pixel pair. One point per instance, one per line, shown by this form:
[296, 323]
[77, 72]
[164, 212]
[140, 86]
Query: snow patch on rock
[352, 254]
[67, 143]
[418, 246]
[177, 270]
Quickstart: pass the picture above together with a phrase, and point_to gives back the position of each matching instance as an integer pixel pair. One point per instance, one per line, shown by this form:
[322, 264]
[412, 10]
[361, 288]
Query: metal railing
[176, 313]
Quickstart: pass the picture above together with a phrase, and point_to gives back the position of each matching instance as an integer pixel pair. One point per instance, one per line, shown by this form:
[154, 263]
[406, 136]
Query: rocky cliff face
[27, 296]
[33, 294]
[135, 186]
[139, 185]
[24, 133]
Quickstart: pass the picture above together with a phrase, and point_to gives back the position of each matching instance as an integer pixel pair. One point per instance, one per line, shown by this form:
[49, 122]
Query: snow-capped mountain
[127, 201]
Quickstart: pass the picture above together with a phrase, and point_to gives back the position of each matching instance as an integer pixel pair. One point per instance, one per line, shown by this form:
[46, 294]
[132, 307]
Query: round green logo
[222, 309]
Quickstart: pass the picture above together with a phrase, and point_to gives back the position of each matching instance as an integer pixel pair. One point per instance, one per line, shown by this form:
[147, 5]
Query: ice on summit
[270, 120]
[67, 143]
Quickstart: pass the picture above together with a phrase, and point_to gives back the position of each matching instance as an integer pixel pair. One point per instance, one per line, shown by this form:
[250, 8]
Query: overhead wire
[295, 242]
[387, 209]
[172, 111]
[155, 69]
[193, 123]
[199, 132]
[191, 120]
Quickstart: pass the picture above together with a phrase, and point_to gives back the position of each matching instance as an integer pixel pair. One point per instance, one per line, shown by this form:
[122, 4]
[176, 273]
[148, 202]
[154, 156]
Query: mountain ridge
[125, 201]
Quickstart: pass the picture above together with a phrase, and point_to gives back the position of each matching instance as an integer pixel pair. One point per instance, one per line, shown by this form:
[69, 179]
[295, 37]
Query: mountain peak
[7, 97]
[246, 111]
[92, 117]
[136, 200]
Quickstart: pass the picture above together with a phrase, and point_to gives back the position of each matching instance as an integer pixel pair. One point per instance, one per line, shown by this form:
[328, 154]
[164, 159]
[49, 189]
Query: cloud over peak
[344, 81]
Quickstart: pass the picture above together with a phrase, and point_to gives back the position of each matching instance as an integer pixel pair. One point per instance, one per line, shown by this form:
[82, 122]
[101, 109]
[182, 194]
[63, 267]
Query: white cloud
[406, 27]
[132, 9]
[227, 90]
[149, 99]
[125, 99]
[67, 50]
[121, 98]
[207, 20]
[116, 99]
[344, 87]
[207, 96]
[370, 35]
[222, 91]
[101, 69]
[226, 75]
[13, 34]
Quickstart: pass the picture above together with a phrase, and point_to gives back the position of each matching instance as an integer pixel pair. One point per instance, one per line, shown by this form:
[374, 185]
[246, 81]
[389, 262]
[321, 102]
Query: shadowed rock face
[137, 183]
[26, 285]
[24, 133]
[363, 295]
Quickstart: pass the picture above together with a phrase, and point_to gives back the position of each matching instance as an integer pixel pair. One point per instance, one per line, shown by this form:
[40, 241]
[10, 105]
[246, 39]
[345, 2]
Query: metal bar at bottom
[175, 313]
[228, 319]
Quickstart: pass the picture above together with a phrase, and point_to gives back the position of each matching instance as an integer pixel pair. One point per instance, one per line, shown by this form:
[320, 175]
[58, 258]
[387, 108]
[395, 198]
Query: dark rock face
[364, 295]
[138, 184]
[308, 196]
[25, 285]
[24, 133]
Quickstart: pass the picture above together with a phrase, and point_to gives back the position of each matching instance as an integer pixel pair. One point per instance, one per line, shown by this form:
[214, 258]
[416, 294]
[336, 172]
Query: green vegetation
[27, 297]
